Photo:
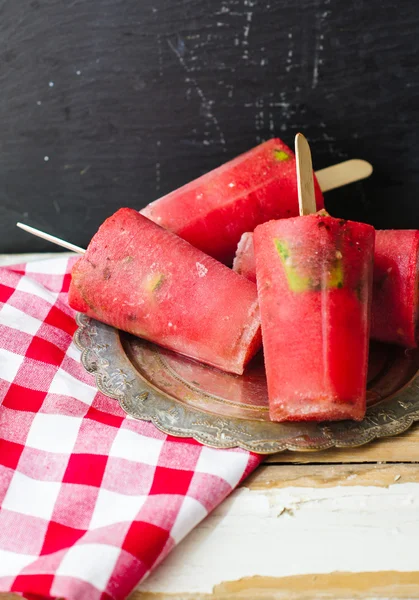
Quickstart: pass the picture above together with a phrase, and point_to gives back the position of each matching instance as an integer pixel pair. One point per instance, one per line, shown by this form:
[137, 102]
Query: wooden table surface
[332, 524]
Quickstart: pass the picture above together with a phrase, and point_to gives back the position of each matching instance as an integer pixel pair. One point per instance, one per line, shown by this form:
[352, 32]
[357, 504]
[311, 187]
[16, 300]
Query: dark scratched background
[109, 103]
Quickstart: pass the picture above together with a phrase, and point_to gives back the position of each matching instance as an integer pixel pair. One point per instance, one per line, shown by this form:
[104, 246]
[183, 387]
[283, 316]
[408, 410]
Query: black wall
[129, 99]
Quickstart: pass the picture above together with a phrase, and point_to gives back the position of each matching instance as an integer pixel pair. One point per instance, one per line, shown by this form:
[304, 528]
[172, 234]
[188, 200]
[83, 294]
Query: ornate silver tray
[187, 399]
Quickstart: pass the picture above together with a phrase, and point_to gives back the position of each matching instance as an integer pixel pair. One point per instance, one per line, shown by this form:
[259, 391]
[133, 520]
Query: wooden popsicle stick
[305, 181]
[51, 238]
[343, 173]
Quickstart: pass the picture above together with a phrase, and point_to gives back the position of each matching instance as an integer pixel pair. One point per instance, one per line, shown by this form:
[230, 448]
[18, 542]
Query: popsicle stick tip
[50, 238]
[343, 173]
[363, 166]
[305, 182]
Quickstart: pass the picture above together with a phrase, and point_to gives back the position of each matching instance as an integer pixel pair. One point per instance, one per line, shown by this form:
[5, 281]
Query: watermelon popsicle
[395, 290]
[147, 281]
[314, 277]
[314, 280]
[394, 310]
[213, 211]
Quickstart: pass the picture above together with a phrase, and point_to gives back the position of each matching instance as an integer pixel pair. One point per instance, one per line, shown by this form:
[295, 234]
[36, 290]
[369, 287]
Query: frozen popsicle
[314, 281]
[395, 293]
[314, 278]
[145, 280]
[394, 311]
[213, 211]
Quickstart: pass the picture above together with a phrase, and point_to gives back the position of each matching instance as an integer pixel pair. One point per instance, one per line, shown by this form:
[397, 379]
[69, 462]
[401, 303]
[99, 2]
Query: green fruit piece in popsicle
[153, 282]
[335, 278]
[296, 282]
[281, 155]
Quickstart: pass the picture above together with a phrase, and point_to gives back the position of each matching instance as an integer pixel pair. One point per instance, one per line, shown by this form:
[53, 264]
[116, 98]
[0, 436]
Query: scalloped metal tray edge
[104, 356]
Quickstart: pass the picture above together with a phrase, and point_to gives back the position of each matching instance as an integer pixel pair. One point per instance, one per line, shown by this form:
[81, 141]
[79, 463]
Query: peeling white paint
[296, 531]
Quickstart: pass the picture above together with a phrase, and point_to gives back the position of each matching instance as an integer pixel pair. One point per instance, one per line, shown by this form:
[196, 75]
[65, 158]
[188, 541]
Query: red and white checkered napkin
[91, 500]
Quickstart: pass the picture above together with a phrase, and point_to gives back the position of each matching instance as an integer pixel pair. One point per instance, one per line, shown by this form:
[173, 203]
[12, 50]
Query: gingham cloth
[91, 500]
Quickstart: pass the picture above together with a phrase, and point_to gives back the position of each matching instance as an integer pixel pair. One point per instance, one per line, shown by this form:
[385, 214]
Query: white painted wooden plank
[296, 531]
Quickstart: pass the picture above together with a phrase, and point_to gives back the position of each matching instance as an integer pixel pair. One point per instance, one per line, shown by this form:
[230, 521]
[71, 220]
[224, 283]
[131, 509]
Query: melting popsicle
[145, 280]
[213, 211]
[314, 278]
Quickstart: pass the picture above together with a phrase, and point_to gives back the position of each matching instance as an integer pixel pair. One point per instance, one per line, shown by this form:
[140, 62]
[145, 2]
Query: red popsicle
[394, 311]
[314, 278]
[145, 280]
[395, 293]
[213, 211]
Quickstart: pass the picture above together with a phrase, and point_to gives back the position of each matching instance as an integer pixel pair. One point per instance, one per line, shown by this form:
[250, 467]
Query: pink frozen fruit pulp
[244, 262]
[395, 294]
[214, 210]
[314, 277]
[147, 281]
[394, 311]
